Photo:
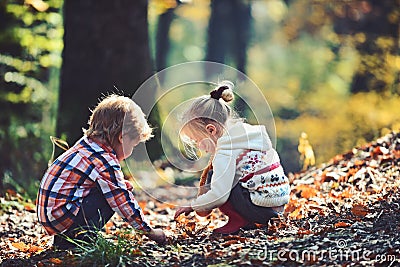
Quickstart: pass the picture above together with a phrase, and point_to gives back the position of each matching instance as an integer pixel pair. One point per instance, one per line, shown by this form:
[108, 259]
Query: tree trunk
[162, 38]
[106, 47]
[375, 20]
[228, 37]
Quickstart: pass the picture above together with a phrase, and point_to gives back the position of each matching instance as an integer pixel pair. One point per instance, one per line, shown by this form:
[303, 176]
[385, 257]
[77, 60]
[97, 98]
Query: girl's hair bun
[224, 90]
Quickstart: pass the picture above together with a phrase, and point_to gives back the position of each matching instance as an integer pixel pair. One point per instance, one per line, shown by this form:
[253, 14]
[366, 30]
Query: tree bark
[375, 20]
[106, 47]
[228, 37]
[162, 38]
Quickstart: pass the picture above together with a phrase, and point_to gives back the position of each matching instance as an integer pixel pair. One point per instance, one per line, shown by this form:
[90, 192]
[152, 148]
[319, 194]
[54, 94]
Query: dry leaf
[296, 214]
[142, 205]
[342, 224]
[11, 192]
[20, 246]
[108, 226]
[304, 232]
[291, 206]
[359, 162]
[30, 207]
[346, 193]
[306, 191]
[56, 261]
[360, 210]
[161, 205]
[34, 249]
[229, 243]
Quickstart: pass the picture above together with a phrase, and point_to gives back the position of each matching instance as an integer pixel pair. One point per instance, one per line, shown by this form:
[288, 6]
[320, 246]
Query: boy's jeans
[92, 216]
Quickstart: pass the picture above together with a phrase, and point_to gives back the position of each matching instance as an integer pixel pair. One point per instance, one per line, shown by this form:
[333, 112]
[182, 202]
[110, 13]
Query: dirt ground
[343, 213]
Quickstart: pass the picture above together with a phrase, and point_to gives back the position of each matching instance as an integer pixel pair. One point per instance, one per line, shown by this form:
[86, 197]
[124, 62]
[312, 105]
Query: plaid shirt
[70, 178]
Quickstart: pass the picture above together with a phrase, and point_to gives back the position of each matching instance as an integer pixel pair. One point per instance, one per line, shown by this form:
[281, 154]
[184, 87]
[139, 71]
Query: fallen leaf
[30, 207]
[108, 226]
[34, 249]
[304, 232]
[142, 205]
[56, 261]
[296, 214]
[229, 243]
[136, 252]
[161, 205]
[360, 210]
[359, 162]
[377, 151]
[237, 238]
[346, 193]
[342, 224]
[190, 226]
[20, 246]
[291, 206]
[215, 254]
[307, 191]
[11, 192]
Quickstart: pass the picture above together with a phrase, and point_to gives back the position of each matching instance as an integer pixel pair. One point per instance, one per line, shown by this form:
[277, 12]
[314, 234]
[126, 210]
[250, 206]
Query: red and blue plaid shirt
[71, 176]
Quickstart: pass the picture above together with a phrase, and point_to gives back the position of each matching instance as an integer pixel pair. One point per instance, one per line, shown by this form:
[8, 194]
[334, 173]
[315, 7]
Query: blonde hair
[116, 115]
[212, 108]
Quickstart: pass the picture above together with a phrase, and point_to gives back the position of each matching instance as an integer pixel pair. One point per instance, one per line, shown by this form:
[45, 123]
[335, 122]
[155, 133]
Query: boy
[85, 185]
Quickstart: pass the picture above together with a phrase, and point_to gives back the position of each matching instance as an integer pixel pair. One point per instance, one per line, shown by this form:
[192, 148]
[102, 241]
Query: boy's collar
[102, 145]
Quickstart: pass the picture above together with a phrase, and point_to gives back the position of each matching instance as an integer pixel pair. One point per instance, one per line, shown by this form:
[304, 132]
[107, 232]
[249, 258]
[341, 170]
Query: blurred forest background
[328, 68]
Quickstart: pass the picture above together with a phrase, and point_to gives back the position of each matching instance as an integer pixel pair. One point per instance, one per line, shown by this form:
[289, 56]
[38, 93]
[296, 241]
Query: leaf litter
[343, 213]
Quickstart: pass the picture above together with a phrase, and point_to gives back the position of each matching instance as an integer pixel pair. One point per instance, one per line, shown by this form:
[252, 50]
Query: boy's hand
[181, 210]
[157, 235]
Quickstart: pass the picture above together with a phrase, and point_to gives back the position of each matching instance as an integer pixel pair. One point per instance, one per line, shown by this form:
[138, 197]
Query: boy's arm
[120, 197]
[129, 186]
[118, 193]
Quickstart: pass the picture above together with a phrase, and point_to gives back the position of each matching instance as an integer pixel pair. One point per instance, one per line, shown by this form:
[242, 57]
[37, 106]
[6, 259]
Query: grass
[103, 251]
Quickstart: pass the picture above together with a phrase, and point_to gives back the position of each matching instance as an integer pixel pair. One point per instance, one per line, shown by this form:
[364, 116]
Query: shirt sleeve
[128, 185]
[224, 169]
[119, 196]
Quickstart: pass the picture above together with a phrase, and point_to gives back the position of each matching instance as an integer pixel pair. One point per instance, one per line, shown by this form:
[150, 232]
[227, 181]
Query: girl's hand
[181, 210]
[157, 235]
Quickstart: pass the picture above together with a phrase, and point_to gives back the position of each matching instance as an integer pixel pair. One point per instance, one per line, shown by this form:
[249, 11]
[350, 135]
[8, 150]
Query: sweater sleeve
[224, 168]
[117, 192]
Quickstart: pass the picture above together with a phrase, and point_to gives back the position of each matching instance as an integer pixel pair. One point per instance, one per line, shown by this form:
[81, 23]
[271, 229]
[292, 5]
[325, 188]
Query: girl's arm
[224, 167]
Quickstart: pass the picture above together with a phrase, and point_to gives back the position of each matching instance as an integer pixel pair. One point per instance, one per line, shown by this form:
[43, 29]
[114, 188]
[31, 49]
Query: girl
[247, 182]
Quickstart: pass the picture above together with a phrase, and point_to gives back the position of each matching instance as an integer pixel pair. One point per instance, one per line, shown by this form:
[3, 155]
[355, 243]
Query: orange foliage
[56, 261]
[304, 232]
[342, 224]
[142, 205]
[307, 191]
[296, 214]
[20, 246]
[346, 193]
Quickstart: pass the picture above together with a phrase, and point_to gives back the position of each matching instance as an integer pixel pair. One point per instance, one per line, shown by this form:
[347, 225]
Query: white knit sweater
[235, 159]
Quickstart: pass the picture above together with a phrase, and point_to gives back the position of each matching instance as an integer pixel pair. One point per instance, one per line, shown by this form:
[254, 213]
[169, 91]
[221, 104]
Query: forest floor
[343, 213]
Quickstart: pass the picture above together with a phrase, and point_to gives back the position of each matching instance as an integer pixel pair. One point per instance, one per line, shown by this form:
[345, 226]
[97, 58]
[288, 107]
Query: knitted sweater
[245, 154]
